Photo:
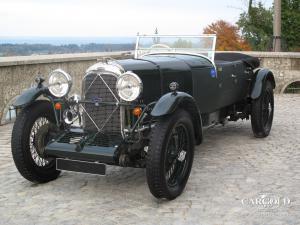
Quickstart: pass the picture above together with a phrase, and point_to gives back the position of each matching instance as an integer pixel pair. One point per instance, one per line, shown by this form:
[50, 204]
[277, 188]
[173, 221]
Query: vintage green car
[145, 112]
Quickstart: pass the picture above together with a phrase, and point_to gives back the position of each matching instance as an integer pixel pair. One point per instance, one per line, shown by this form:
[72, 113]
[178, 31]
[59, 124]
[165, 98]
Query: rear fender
[170, 102]
[262, 75]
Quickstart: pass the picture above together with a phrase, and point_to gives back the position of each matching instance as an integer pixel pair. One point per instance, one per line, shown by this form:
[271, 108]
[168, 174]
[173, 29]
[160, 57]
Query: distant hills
[24, 46]
[66, 40]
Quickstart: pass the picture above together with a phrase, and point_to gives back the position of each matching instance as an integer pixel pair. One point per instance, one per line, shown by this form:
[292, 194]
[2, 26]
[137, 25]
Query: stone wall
[284, 65]
[18, 73]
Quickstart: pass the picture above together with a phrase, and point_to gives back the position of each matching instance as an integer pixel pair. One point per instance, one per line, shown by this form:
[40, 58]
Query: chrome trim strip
[90, 84]
[108, 118]
[108, 88]
[108, 67]
[90, 118]
[214, 48]
[136, 46]
[122, 120]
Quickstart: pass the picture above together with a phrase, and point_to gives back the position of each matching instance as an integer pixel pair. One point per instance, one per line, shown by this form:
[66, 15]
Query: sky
[86, 18]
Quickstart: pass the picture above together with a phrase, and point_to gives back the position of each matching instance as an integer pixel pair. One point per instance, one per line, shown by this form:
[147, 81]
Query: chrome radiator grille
[99, 88]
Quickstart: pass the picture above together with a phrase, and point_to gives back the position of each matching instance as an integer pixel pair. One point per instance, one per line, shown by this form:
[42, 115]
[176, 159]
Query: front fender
[262, 76]
[29, 96]
[168, 103]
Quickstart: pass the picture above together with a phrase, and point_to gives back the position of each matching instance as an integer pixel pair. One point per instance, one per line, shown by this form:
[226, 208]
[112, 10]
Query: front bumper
[77, 145]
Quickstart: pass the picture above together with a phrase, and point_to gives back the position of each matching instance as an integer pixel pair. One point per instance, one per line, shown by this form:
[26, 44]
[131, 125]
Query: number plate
[81, 166]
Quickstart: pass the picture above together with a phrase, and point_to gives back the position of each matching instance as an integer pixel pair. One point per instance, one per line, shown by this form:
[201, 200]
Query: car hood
[158, 71]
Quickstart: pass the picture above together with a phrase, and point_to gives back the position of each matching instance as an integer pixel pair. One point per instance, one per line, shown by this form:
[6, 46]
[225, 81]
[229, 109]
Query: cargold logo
[267, 201]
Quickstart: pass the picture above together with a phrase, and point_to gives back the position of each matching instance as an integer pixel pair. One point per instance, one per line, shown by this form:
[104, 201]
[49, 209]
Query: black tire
[161, 161]
[262, 111]
[28, 159]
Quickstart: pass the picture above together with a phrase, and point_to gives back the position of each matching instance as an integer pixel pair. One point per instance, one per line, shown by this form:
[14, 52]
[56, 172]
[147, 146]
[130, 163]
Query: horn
[70, 115]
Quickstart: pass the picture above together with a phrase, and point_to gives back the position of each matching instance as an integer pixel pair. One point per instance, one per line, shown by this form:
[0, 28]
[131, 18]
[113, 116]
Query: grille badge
[97, 99]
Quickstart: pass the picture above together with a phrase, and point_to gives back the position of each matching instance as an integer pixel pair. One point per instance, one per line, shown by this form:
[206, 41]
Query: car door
[205, 88]
[228, 83]
[243, 80]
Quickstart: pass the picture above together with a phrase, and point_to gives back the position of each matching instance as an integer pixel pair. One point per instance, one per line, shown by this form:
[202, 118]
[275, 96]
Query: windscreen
[203, 44]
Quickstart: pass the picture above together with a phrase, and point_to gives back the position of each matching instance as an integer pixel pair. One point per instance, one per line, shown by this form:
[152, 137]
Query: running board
[80, 166]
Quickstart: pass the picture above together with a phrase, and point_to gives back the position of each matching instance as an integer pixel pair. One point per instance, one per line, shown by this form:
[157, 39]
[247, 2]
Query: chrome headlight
[59, 83]
[129, 86]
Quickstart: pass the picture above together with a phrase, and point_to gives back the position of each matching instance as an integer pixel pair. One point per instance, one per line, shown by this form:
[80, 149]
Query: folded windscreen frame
[187, 44]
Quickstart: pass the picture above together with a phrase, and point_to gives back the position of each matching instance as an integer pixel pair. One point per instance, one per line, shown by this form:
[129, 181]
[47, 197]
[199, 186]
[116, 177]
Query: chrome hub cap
[181, 155]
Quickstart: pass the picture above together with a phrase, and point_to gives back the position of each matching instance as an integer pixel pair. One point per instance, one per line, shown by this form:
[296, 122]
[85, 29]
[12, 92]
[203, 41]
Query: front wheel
[170, 155]
[262, 111]
[30, 134]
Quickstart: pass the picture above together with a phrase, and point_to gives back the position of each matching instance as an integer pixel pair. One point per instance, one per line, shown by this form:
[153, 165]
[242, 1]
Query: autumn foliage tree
[228, 37]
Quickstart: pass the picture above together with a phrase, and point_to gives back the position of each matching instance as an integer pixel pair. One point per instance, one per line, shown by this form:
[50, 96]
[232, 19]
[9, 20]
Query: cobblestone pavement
[231, 170]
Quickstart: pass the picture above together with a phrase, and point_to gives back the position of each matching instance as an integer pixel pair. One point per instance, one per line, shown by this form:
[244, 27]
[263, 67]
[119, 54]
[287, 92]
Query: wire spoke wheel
[176, 160]
[31, 132]
[37, 141]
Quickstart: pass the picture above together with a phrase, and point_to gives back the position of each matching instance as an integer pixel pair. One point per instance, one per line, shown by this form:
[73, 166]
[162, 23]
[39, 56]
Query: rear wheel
[31, 132]
[262, 112]
[170, 155]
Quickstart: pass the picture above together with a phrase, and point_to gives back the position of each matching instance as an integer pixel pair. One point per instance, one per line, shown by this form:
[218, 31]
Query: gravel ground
[233, 179]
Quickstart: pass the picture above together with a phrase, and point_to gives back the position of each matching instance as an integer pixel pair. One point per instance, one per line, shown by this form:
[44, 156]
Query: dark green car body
[211, 92]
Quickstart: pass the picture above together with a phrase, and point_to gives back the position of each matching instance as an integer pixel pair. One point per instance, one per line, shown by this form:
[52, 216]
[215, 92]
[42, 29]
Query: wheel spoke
[183, 140]
[176, 155]
[38, 124]
[170, 172]
[267, 109]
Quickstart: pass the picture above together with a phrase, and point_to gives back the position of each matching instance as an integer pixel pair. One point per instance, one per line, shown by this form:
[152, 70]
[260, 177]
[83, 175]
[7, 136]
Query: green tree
[256, 26]
[291, 24]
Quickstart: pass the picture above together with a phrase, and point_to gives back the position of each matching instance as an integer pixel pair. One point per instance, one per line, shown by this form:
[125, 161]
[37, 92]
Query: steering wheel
[160, 46]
